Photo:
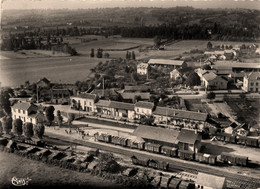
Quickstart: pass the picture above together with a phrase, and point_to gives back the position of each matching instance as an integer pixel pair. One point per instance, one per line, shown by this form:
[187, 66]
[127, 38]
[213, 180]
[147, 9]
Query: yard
[43, 175]
[246, 110]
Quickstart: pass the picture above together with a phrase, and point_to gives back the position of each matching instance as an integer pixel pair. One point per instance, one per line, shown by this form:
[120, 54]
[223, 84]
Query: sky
[85, 4]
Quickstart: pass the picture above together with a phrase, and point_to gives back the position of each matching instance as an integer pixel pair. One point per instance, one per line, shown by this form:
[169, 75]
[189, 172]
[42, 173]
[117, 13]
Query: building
[176, 75]
[206, 181]
[115, 110]
[252, 82]
[157, 135]
[236, 66]
[27, 112]
[166, 62]
[143, 108]
[55, 96]
[106, 93]
[211, 81]
[176, 117]
[84, 101]
[131, 96]
[142, 68]
[43, 83]
[189, 140]
[137, 88]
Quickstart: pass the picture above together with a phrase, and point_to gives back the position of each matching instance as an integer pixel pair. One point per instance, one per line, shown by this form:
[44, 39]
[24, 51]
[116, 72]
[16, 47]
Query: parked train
[174, 152]
[235, 139]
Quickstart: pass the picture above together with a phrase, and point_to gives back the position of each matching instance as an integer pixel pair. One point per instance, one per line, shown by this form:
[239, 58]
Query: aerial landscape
[130, 94]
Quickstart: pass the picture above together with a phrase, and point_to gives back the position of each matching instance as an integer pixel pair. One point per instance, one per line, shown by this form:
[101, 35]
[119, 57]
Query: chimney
[196, 131]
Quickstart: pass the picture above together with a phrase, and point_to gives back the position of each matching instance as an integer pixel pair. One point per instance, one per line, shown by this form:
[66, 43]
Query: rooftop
[211, 181]
[253, 76]
[209, 76]
[86, 95]
[121, 105]
[103, 103]
[166, 62]
[180, 113]
[142, 104]
[157, 133]
[188, 136]
[128, 95]
[137, 88]
[45, 80]
[24, 106]
[231, 64]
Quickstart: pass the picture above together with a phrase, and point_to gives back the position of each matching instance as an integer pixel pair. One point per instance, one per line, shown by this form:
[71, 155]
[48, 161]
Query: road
[234, 180]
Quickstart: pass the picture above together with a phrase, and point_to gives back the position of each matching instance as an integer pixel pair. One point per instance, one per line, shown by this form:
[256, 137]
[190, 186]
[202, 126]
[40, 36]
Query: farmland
[42, 175]
[18, 67]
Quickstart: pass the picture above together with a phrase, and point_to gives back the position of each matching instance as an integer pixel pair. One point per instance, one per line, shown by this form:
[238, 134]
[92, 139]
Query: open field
[15, 72]
[42, 175]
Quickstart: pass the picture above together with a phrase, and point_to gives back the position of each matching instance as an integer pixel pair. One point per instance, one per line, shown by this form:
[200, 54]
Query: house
[188, 119]
[102, 107]
[157, 135]
[131, 96]
[236, 66]
[84, 101]
[142, 68]
[143, 108]
[206, 181]
[137, 88]
[189, 140]
[122, 110]
[176, 75]
[27, 112]
[252, 82]
[211, 80]
[43, 83]
[169, 63]
[55, 96]
[106, 93]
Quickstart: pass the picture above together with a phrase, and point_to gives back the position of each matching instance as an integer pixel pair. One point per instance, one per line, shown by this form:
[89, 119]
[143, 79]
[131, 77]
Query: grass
[44, 176]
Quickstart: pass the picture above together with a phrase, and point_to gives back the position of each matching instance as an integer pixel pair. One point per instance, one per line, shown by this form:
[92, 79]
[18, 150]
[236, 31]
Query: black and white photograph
[129, 94]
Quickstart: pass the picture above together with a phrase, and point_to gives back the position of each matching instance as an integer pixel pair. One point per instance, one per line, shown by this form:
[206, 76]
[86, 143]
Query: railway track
[233, 180]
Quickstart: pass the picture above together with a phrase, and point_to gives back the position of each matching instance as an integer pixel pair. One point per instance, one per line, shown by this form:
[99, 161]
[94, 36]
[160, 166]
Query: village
[204, 115]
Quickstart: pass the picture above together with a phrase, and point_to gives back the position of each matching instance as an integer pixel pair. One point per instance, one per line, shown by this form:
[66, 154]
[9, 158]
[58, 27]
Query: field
[18, 67]
[43, 175]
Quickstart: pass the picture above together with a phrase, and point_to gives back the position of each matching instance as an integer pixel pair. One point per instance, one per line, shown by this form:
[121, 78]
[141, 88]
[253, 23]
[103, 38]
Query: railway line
[233, 180]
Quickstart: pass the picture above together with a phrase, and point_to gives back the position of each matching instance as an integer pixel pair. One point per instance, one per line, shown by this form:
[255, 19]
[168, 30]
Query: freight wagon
[184, 154]
[206, 158]
[169, 151]
[156, 148]
[234, 159]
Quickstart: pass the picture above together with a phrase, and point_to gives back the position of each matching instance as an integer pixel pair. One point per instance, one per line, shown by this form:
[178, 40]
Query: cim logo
[20, 181]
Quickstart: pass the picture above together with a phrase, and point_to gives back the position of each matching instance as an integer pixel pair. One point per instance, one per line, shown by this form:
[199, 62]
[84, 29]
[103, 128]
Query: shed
[210, 181]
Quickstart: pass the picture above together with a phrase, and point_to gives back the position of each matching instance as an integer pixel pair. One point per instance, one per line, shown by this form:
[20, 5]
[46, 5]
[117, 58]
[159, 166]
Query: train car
[241, 140]
[163, 165]
[206, 158]
[153, 163]
[186, 185]
[101, 138]
[169, 151]
[252, 142]
[123, 141]
[234, 159]
[220, 137]
[230, 138]
[139, 161]
[185, 154]
[151, 147]
[107, 138]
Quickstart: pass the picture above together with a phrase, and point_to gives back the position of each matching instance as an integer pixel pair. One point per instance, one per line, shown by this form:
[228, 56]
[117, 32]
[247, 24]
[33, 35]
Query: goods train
[235, 139]
[226, 158]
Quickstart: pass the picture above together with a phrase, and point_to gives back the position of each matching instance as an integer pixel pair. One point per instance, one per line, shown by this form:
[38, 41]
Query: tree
[59, 118]
[7, 124]
[4, 101]
[92, 54]
[49, 114]
[99, 53]
[242, 96]
[193, 79]
[71, 118]
[206, 67]
[209, 45]
[211, 95]
[28, 129]
[133, 55]
[18, 127]
[108, 163]
[157, 41]
[127, 56]
[106, 55]
[39, 130]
